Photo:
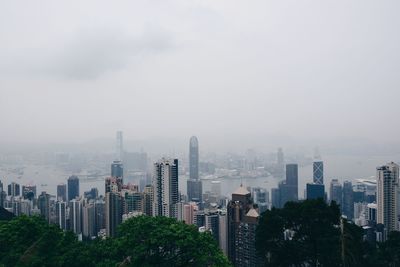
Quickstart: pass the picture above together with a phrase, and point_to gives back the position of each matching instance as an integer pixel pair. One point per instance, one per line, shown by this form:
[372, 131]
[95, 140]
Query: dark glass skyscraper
[194, 185]
[62, 192]
[292, 181]
[318, 172]
[315, 191]
[348, 201]
[73, 187]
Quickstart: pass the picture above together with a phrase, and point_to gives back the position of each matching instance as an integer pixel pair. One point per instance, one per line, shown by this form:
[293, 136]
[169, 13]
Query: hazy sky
[80, 70]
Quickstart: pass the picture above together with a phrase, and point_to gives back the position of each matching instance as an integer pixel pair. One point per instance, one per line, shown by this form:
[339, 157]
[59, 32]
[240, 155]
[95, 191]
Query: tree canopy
[141, 241]
[312, 233]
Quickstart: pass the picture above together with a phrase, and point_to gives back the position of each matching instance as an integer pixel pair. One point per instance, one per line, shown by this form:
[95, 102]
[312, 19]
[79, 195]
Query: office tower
[62, 192]
[13, 189]
[119, 146]
[280, 164]
[261, 198]
[212, 224]
[292, 181]
[148, 198]
[89, 220]
[275, 198]
[387, 196]
[75, 215]
[165, 186]
[61, 214]
[194, 184]
[284, 193]
[242, 223]
[318, 172]
[132, 201]
[194, 158]
[73, 187]
[100, 217]
[315, 191]
[44, 205]
[29, 191]
[117, 171]
[113, 212]
[336, 192]
[348, 201]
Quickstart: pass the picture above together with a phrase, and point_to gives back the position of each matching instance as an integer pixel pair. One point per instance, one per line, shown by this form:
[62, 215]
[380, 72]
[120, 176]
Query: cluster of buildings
[374, 205]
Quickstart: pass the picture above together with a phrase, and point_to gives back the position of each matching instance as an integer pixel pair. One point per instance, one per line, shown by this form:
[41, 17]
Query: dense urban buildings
[231, 220]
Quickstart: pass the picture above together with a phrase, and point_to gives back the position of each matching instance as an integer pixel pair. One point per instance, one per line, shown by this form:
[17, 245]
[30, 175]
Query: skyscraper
[3, 195]
[89, 220]
[347, 200]
[117, 171]
[280, 166]
[119, 148]
[336, 192]
[292, 183]
[73, 187]
[44, 205]
[165, 186]
[113, 212]
[61, 214]
[75, 215]
[62, 192]
[387, 196]
[242, 223]
[318, 172]
[194, 185]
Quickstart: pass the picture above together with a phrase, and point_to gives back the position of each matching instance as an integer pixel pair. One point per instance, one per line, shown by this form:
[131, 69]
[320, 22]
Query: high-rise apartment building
[165, 186]
[318, 172]
[75, 215]
[242, 223]
[89, 220]
[73, 187]
[113, 212]
[61, 214]
[117, 172]
[387, 196]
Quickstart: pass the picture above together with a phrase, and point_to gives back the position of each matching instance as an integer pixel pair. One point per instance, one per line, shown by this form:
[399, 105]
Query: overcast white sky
[80, 70]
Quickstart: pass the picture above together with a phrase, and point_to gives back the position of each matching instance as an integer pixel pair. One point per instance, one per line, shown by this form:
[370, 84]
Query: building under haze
[165, 186]
[13, 189]
[336, 192]
[348, 200]
[73, 187]
[387, 196]
[318, 172]
[62, 192]
[119, 147]
[194, 184]
[61, 214]
[315, 191]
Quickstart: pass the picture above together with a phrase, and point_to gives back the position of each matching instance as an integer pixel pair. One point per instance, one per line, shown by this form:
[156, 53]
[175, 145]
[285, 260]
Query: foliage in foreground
[142, 241]
[314, 238]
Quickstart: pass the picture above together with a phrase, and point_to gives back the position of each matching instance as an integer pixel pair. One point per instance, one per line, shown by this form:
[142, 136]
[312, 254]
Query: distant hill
[5, 215]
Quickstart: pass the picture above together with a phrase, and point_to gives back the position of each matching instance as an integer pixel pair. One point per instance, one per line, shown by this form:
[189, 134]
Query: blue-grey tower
[194, 185]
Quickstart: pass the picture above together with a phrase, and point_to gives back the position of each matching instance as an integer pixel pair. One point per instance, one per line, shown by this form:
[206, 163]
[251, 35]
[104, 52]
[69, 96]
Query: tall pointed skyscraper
[318, 172]
[194, 185]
